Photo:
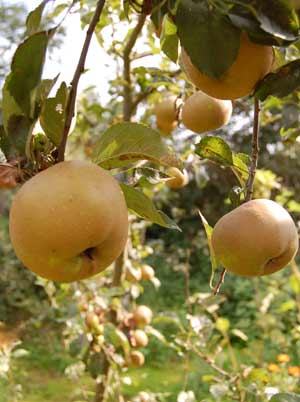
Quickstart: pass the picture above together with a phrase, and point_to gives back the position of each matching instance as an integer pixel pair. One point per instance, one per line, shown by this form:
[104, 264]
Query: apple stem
[220, 282]
[74, 84]
[255, 151]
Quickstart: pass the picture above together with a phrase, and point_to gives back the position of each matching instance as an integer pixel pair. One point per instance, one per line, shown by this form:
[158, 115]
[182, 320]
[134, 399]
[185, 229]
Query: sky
[98, 63]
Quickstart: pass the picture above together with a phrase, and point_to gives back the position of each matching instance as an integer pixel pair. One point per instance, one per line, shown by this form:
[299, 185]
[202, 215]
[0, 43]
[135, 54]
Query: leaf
[213, 259]
[202, 31]
[240, 168]
[26, 70]
[262, 27]
[53, 115]
[34, 18]
[278, 18]
[41, 93]
[169, 39]
[281, 83]
[215, 149]
[96, 365]
[282, 397]
[142, 206]
[124, 144]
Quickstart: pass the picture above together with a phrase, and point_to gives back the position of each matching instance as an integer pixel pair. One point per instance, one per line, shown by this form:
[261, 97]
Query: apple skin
[177, 179]
[202, 113]
[142, 315]
[253, 62]
[69, 222]
[166, 115]
[257, 238]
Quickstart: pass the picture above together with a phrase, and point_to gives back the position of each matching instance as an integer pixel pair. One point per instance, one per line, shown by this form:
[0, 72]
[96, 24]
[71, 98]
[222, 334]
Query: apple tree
[239, 54]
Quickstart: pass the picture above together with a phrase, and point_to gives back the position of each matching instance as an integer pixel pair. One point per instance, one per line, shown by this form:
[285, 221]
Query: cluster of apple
[211, 106]
[259, 237]
[130, 329]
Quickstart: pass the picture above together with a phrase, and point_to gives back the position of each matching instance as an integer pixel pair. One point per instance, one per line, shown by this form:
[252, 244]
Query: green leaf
[169, 39]
[216, 150]
[240, 169]
[213, 259]
[288, 305]
[285, 398]
[143, 207]
[96, 364]
[34, 19]
[26, 70]
[208, 37]
[41, 93]
[78, 345]
[281, 83]
[124, 144]
[268, 22]
[278, 18]
[53, 115]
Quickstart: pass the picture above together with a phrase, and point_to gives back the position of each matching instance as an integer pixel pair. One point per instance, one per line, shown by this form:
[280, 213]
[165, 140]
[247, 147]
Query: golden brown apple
[253, 62]
[178, 179]
[166, 114]
[136, 359]
[139, 338]
[142, 315]
[257, 238]
[202, 113]
[147, 272]
[69, 222]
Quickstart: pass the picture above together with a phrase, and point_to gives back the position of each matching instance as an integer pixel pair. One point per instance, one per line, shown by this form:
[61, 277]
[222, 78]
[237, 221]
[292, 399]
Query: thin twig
[127, 90]
[220, 282]
[140, 98]
[255, 151]
[211, 363]
[74, 84]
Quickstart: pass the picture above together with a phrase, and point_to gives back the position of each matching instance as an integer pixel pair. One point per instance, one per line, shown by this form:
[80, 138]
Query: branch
[127, 89]
[137, 56]
[211, 363]
[139, 98]
[74, 84]
[255, 151]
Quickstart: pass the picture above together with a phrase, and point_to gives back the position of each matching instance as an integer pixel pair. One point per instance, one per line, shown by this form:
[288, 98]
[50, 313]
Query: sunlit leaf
[208, 231]
[34, 18]
[143, 206]
[124, 144]
[53, 115]
[216, 150]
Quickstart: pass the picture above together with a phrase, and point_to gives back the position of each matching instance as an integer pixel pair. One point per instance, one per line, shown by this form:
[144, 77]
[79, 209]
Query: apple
[69, 222]
[257, 238]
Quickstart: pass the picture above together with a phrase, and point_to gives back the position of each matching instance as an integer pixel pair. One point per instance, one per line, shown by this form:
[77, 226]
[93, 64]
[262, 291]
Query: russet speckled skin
[255, 239]
[69, 222]
[253, 62]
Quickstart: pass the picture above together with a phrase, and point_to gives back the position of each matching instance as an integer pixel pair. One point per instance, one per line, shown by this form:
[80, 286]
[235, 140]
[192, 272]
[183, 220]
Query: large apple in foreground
[69, 222]
[257, 238]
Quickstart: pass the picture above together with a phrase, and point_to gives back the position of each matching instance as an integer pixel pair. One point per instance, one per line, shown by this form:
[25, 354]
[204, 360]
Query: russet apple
[69, 222]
